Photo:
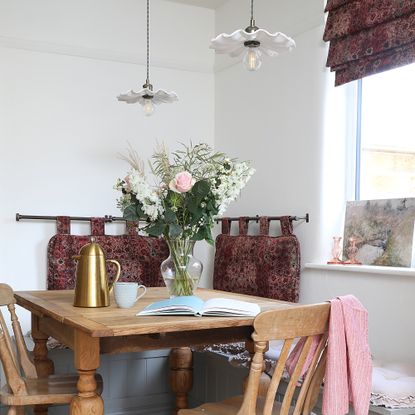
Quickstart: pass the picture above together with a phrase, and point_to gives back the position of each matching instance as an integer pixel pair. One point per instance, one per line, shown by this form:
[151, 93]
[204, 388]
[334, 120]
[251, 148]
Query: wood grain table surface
[92, 331]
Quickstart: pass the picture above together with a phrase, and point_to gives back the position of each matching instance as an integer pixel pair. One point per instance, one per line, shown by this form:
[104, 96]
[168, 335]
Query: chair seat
[229, 406]
[55, 389]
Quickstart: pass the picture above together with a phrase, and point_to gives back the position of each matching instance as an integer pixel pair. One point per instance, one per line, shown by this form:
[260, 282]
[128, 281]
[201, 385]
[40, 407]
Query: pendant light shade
[253, 43]
[147, 94]
[147, 97]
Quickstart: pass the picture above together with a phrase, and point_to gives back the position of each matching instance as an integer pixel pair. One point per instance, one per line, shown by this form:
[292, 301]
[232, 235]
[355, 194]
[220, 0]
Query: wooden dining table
[90, 332]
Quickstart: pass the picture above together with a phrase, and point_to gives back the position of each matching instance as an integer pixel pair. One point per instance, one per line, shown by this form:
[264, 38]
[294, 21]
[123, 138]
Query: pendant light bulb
[148, 107]
[252, 59]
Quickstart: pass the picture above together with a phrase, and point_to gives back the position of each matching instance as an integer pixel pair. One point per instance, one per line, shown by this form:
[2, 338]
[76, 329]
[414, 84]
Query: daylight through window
[387, 152]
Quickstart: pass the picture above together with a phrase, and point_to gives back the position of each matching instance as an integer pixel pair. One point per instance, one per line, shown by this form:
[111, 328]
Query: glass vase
[181, 271]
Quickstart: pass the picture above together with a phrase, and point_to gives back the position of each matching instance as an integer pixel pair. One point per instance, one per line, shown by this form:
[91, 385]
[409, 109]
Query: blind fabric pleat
[369, 36]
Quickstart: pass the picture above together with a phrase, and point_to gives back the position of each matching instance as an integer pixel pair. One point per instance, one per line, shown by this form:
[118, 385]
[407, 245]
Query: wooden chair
[309, 322]
[28, 390]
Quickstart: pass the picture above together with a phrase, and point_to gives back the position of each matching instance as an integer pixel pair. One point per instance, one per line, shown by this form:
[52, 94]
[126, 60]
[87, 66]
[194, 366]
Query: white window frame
[358, 140]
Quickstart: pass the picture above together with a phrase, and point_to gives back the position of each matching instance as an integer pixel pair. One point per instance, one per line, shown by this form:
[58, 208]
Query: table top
[114, 321]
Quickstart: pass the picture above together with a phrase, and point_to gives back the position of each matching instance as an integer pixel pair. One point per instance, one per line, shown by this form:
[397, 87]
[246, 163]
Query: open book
[192, 305]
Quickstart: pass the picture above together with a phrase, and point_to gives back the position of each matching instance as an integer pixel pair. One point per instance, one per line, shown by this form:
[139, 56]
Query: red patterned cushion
[140, 256]
[260, 265]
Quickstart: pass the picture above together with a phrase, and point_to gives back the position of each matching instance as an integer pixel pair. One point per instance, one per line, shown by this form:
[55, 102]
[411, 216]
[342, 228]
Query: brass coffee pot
[92, 287]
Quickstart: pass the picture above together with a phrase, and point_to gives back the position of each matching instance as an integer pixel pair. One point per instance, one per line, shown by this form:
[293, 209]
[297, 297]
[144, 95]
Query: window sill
[364, 269]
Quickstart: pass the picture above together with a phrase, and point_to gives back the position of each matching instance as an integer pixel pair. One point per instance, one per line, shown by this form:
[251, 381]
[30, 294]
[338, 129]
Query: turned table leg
[44, 365]
[181, 375]
[265, 380]
[86, 350]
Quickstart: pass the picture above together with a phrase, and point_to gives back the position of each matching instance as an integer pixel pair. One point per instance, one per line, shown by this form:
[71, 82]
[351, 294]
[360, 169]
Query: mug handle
[140, 295]
[111, 284]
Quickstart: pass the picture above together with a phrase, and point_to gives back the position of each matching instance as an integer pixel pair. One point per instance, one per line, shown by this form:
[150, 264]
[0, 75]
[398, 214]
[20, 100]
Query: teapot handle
[76, 257]
[111, 284]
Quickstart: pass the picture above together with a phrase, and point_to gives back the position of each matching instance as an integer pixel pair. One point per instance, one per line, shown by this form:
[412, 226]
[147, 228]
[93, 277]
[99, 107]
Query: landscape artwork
[383, 231]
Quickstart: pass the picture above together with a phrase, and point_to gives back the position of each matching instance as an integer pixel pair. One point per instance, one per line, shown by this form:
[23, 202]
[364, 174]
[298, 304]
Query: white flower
[124, 201]
[136, 184]
[231, 184]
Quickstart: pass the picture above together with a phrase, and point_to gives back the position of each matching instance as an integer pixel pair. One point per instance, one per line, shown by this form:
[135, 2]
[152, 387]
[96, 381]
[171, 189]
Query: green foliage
[173, 214]
[200, 160]
[134, 213]
[187, 215]
[156, 229]
[204, 233]
[170, 216]
[201, 189]
[175, 230]
[161, 165]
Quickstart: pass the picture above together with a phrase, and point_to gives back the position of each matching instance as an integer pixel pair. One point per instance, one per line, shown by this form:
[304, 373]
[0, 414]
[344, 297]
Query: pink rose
[182, 182]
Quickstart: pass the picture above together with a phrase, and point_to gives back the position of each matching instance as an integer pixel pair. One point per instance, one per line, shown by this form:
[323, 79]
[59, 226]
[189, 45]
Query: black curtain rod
[110, 218]
[305, 218]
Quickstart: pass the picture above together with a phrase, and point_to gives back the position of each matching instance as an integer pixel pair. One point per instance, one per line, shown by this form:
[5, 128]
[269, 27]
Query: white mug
[126, 293]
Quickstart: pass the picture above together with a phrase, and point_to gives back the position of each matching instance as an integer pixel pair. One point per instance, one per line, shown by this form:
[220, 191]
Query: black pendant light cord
[252, 9]
[148, 42]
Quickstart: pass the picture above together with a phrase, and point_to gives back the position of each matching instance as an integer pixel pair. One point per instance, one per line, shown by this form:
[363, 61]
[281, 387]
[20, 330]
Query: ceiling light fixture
[253, 42]
[147, 97]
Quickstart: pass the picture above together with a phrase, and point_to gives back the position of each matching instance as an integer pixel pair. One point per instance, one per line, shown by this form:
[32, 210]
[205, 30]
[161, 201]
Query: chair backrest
[308, 322]
[13, 363]
[261, 265]
[140, 256]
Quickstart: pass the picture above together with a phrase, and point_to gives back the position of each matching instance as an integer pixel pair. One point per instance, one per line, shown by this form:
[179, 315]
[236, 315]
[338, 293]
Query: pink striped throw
[348, 375]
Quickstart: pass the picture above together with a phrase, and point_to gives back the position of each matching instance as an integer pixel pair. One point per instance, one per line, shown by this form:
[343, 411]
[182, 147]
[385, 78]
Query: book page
[176, 305]
[228, 307]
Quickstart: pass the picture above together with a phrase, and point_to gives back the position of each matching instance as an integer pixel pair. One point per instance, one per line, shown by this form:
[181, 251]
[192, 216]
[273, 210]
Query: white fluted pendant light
[147, 97]
[253, 43]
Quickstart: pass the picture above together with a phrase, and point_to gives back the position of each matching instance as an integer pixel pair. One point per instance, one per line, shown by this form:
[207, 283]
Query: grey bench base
[134, 383]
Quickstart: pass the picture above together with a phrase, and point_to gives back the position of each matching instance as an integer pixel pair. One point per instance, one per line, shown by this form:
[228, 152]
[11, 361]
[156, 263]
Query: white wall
[274, 116]
[296, 128]
[62, 64]
[388, 299]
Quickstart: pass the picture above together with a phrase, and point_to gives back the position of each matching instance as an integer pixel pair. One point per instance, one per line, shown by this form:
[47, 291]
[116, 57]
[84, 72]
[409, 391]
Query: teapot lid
[92, 249]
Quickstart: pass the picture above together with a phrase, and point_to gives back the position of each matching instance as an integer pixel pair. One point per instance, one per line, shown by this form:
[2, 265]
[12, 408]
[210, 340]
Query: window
[385, 165]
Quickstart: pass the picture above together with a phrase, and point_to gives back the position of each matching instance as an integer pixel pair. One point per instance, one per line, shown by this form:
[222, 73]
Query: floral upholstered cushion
[261, 265]
[140, 256]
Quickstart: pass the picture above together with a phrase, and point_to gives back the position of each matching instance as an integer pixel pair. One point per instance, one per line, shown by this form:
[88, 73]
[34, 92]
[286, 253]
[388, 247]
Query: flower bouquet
[193, 187]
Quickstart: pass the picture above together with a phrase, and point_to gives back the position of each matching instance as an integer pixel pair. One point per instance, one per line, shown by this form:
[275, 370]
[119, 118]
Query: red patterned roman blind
[369, 36]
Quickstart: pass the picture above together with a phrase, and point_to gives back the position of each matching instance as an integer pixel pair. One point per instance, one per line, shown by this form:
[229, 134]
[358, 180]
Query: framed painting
[383, 231]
